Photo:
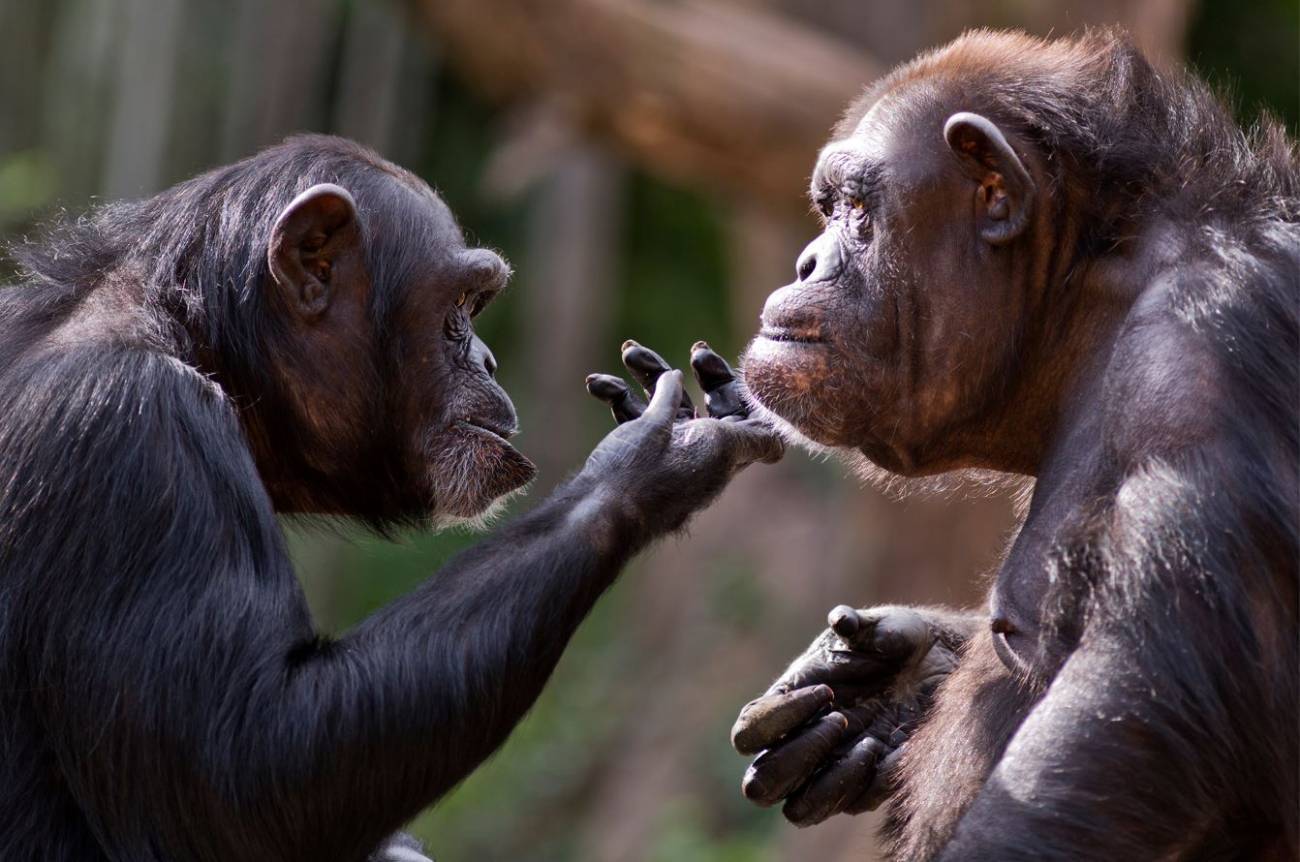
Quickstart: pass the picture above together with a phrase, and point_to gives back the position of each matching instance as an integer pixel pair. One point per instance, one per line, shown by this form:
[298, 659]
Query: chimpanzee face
[459, 418]
[897, 328]
[392, 394]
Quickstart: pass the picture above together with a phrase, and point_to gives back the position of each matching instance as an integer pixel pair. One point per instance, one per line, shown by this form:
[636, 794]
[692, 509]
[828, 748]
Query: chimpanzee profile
[291, 333]
[1050, 259]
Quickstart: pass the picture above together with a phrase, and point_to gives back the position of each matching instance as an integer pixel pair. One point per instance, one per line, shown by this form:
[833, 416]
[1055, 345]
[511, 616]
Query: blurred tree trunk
[278, 63]
[143, 95]
[78, 93]
[574, 227]
[731, 95]
[27, 31]
[710, 94]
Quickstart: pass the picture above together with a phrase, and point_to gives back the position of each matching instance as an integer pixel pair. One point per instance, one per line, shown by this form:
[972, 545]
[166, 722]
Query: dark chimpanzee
[1050, 259]
[291, 333]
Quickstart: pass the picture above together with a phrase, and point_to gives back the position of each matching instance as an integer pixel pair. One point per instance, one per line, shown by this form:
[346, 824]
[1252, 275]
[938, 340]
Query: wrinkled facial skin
[896, 332]
[393, 413]
[455, 417]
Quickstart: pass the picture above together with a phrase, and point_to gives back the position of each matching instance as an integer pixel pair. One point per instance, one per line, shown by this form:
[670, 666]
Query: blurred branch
[717, 95]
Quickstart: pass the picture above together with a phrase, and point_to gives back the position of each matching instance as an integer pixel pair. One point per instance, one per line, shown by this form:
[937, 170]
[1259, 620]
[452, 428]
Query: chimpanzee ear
[316, 230]
[1006, 193]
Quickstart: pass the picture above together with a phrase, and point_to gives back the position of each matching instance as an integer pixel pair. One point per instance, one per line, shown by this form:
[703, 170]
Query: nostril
[806, 265]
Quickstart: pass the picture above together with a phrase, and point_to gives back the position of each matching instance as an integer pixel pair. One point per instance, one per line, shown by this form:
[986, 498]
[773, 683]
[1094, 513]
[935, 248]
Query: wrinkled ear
[1006, 192]
[317, 229]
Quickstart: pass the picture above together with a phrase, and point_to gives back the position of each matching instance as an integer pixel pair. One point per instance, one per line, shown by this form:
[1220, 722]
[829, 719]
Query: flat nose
[482, 354]
[485, 269]
[821, 260]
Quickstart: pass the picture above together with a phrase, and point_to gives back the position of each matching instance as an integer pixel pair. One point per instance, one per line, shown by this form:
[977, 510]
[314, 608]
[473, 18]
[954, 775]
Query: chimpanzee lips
[484, 425]
[792, 335]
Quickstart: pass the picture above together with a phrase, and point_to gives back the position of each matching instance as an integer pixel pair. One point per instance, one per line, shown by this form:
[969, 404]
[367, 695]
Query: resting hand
[831, 729]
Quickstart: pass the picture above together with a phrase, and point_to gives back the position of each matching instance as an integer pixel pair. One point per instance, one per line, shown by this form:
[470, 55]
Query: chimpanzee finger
[881, 786]
[614, 391]
[891, 632]
[776, 772]
[664, 401]
[764, 721]
[836, 668]
[835, 787]
[646, 366]
[721, 389]
[755, 441]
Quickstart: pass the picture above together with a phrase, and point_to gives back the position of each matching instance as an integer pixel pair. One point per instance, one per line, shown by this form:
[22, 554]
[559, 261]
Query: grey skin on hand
[829, 731]
[722, 392]
[663, 459]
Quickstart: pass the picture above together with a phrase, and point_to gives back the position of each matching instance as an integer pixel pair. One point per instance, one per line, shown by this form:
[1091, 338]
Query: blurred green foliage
[1249, 50]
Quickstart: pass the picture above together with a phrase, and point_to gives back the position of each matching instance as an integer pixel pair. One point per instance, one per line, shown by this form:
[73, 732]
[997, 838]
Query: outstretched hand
[829, 731]
[661, 457]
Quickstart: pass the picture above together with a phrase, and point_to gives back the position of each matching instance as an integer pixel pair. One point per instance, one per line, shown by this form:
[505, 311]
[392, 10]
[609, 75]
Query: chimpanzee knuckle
[882, 783]
[776, 772]
[606, 387]
[842, 781]
[645, 364]
[810, 804]
[755, 785]
[725, 401]
[763, 722]
[893, 631]
[711, 369]
[845, 622]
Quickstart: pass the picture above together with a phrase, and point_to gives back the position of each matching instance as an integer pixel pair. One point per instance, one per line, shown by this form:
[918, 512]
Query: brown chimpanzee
[291, 333]
[1051, 259]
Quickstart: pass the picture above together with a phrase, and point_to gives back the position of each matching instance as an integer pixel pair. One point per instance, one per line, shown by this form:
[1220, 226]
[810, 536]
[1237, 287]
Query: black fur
[163, 693]
[1169, 728]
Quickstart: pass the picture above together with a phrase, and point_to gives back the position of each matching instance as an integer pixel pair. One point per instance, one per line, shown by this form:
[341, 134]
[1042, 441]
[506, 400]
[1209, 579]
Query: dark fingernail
[700, 345]
[591, 377]
[628, 345]
[843, 621]
[605, 387]
[753, 789]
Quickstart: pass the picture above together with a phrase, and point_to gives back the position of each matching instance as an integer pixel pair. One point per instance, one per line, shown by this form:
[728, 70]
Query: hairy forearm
[443, 676]
[1087, 743]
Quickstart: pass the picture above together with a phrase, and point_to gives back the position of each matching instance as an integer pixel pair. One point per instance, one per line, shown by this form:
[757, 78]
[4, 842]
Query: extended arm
[238, 717]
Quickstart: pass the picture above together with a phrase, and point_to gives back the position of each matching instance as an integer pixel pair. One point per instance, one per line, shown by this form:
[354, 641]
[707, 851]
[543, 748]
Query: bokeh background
[642, 164]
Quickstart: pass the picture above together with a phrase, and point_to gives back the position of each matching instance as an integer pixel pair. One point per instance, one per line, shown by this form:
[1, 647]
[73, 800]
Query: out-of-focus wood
[712, 94]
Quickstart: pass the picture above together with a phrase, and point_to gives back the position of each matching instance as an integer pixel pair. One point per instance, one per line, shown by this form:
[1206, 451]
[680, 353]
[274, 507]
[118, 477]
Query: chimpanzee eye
[857, 203]
[460, 301]
[825, 205]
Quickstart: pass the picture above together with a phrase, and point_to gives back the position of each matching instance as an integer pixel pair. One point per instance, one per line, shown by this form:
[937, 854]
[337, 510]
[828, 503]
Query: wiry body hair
[164, 693]
[198, 250]
[1179, 572]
